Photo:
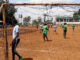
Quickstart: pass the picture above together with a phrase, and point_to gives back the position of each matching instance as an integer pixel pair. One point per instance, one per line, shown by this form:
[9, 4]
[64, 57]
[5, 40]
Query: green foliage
[37, 22]
[10, 10]
[20, 24]
[26, 20]
[48, 22]
[1, 1]
[77, 13]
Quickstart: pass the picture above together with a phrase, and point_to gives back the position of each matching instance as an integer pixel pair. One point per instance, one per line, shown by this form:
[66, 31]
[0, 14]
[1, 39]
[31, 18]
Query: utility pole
[5, 34]
[45, 15]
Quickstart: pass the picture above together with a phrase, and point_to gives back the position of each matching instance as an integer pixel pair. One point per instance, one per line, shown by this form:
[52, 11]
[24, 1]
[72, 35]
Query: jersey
[15, 30]
[65, 27]
[45, 28]
[41, 26]
[55, 27]
[73, 26]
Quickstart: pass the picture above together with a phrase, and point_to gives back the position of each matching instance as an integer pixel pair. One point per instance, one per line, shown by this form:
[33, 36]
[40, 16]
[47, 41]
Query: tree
[77, 13]
[35, 22]
[39, 20]
[49, 22]
[26, 20]
[10, 11]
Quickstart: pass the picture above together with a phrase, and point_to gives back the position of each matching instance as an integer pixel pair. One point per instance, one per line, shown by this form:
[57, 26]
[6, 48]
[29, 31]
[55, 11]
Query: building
[68, 20]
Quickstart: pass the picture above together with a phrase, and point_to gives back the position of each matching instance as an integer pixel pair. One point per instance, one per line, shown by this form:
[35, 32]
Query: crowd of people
[44, 28]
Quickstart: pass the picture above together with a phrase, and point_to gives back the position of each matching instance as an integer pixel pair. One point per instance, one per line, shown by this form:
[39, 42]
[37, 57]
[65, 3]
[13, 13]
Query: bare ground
[33, 47]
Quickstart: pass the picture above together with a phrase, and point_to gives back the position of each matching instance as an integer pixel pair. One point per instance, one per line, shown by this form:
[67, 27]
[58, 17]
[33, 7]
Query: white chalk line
[50, 51]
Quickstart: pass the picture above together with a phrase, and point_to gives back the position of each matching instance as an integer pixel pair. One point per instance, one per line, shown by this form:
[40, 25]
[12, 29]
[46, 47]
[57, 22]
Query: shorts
[45, 33]
[54, 30]
[65, 30]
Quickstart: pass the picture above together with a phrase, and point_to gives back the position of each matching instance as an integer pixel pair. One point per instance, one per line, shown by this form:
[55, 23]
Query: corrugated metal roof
[75, 17]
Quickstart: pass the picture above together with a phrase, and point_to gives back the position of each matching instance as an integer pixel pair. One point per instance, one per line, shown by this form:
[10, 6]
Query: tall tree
[35, 22]
[39, 19]
[26, 20]
[10, 11]
[77, 13]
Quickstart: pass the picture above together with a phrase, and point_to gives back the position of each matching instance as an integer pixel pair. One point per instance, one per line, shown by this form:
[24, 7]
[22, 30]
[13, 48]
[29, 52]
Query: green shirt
[73, 26]
[45, 28]
[65, 27]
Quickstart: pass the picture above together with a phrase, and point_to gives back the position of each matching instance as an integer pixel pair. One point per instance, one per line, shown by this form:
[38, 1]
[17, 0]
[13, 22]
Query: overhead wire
[48, 8]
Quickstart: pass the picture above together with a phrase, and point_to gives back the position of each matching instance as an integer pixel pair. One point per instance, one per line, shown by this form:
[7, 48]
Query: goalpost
[23, 4]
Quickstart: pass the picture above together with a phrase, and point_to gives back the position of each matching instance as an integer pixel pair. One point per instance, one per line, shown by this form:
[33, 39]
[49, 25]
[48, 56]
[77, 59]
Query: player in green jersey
[45, 28]
[65, 29]
[73, 27]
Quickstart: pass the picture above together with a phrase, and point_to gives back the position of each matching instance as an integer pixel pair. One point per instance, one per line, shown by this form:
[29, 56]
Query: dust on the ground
[33, 47]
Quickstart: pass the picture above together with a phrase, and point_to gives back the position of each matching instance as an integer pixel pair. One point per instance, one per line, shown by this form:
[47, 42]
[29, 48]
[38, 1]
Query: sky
[44, 1]
[35, 12]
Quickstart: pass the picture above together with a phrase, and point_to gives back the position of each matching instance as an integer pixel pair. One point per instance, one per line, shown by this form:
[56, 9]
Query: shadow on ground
[49, 40]
[27, 59]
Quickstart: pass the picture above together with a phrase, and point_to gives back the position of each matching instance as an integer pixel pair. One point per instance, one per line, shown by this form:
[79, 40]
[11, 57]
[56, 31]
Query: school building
[68, 20]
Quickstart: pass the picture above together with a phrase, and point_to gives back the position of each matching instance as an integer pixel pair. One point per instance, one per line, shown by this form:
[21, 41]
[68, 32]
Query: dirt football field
[33, 47]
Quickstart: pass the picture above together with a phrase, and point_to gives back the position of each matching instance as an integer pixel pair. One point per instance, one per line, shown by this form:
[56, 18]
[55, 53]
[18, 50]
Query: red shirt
[48, 25]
